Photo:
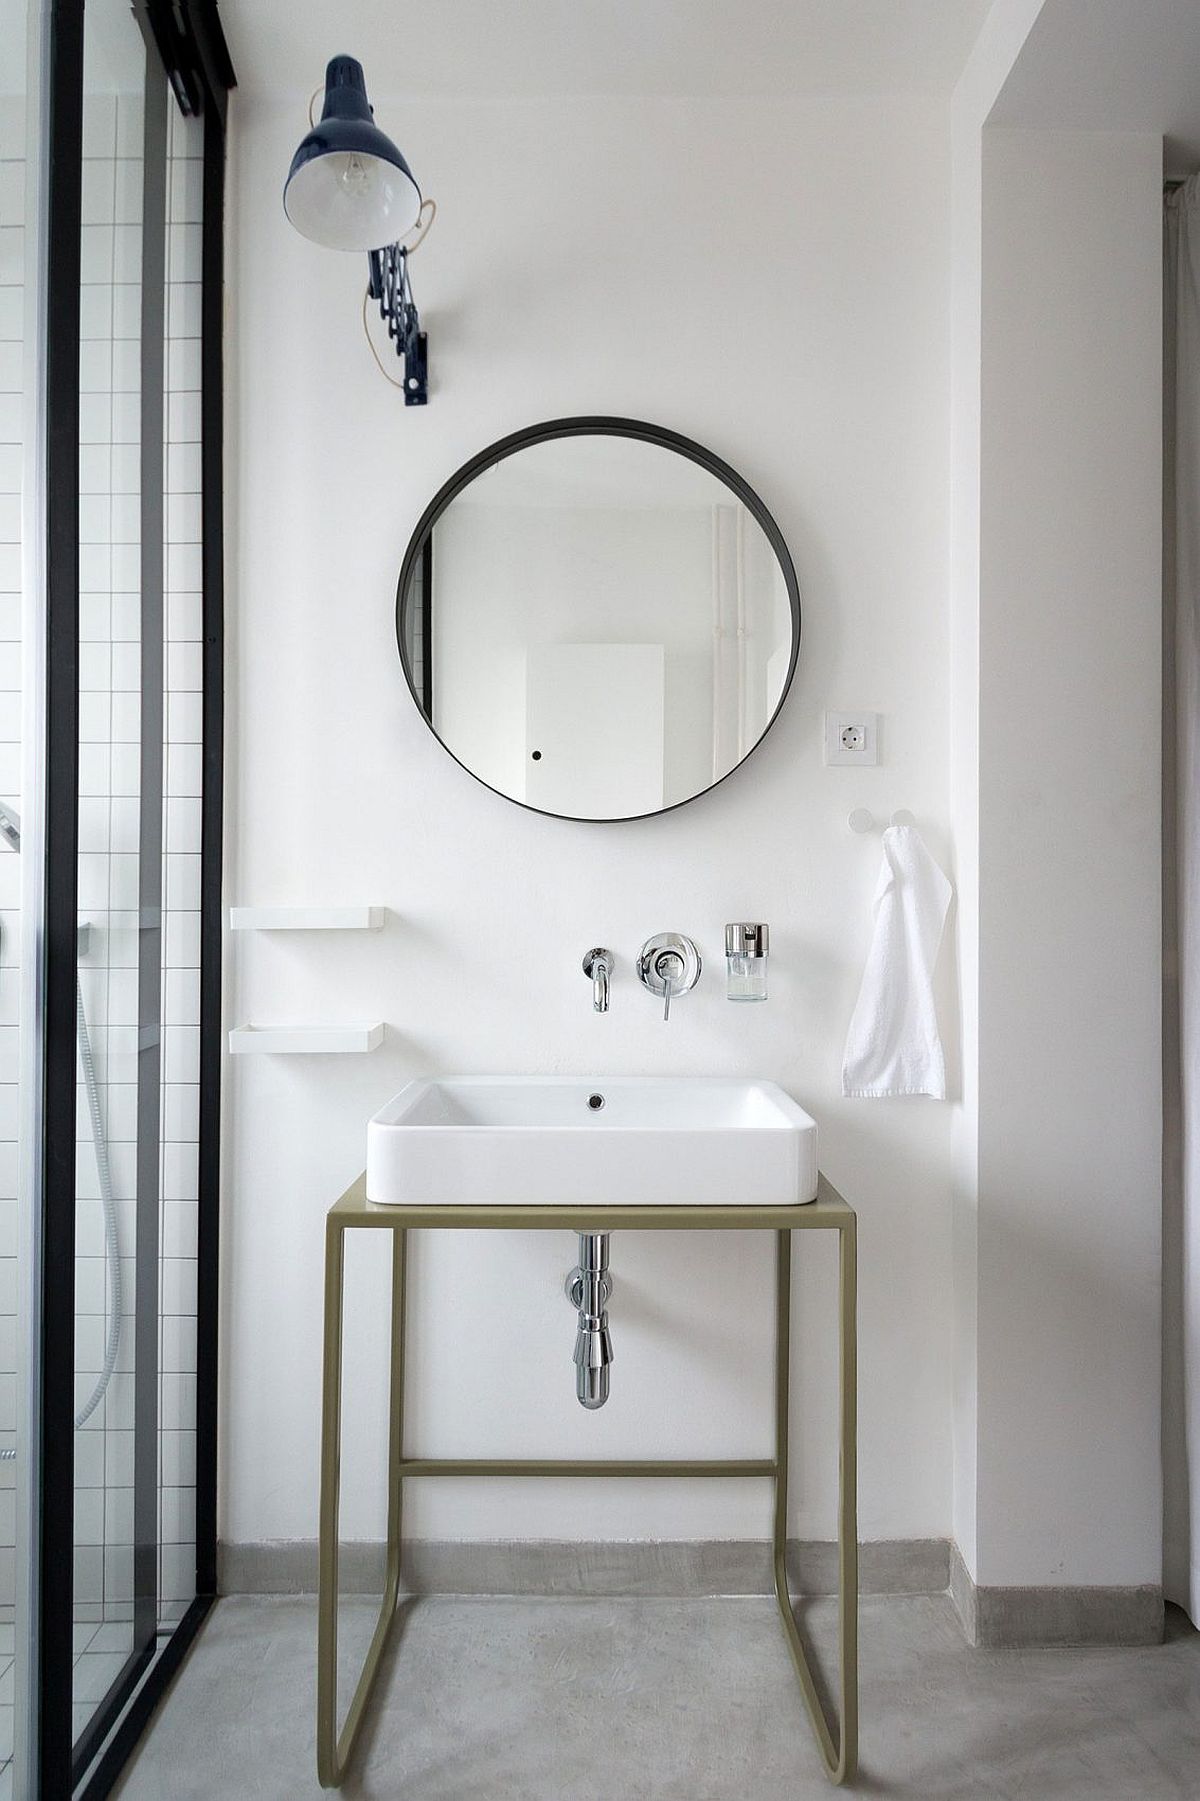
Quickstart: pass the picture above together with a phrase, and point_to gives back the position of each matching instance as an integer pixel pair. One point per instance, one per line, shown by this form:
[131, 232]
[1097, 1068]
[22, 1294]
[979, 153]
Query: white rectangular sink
[574, 1140]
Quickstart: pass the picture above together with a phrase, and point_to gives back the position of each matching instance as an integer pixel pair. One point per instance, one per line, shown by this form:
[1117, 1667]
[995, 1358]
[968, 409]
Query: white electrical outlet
[851, 738]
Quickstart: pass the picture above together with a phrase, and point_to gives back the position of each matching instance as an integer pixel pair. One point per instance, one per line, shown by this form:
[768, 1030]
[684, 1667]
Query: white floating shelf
[306, 919]
[319, 1041]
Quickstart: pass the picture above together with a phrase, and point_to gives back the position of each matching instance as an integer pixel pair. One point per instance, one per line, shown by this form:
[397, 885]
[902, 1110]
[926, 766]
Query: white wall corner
[1000, 41]
[1069, 993]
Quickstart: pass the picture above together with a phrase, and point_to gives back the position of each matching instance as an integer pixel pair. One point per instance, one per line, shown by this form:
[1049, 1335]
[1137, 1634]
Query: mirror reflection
[599, 626]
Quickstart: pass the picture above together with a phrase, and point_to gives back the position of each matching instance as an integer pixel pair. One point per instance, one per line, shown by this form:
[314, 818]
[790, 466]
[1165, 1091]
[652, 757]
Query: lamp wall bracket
[389, 286]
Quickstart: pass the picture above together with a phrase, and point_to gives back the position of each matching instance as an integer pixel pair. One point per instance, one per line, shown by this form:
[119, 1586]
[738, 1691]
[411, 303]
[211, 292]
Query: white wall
[1069, 1146]
[772, 280]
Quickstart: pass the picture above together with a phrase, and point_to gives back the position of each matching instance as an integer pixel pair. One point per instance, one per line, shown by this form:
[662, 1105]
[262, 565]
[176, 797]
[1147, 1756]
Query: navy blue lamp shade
[348, 187]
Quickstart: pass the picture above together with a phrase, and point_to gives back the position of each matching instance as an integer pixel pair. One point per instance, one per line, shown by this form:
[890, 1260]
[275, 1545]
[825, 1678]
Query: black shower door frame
[185, 48]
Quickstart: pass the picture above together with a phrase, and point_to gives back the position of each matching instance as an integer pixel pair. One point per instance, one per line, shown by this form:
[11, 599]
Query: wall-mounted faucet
[598, 966]
[669, 964]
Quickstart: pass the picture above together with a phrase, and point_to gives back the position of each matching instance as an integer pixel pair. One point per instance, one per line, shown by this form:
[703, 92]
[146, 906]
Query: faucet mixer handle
[669, 964]
[598, 967]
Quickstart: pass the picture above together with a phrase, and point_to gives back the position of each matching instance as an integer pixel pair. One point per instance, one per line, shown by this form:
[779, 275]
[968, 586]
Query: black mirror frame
[597, 426]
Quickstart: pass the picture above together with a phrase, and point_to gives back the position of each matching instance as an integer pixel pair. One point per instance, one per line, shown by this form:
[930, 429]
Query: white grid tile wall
[109, 826]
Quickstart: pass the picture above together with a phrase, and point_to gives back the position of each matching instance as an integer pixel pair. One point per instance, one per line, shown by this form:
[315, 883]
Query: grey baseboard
[1011, 1617]
[962, 1594]
[990, 1617]
[550, 1567]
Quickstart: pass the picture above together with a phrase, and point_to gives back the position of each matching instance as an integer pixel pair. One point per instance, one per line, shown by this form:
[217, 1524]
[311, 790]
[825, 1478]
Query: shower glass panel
[140, 832]
[183, 754]
[119, 800]
[18, 172]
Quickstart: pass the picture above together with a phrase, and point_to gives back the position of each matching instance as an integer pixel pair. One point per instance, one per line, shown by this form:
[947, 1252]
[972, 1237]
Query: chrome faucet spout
[598, 966]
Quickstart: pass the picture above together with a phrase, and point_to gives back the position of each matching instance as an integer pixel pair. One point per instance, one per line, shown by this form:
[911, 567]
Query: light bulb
[357, 176]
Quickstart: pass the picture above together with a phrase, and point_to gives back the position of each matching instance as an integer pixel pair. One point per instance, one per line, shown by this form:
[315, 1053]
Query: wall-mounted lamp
[349, 188]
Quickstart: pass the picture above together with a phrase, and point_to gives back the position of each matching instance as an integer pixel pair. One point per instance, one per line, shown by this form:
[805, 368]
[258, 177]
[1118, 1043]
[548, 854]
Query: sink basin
[543, 1140]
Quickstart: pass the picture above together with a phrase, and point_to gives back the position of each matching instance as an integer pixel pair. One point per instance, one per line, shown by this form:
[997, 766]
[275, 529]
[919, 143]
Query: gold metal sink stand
[829, 1213]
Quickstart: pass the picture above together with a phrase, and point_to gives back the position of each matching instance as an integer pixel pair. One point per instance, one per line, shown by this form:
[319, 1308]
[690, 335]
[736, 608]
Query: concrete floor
[668, 1700]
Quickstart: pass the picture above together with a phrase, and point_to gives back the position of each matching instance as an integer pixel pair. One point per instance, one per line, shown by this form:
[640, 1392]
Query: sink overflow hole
[595, 1102]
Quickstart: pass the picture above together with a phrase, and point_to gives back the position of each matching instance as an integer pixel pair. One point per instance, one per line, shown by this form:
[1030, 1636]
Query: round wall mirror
[598, 619]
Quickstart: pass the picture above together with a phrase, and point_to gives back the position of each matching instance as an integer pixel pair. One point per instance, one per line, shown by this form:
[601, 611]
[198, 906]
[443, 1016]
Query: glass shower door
[111, 149]
[142, 723]
[18, 181]
[139, 855]
[119, 826]
[139, 805]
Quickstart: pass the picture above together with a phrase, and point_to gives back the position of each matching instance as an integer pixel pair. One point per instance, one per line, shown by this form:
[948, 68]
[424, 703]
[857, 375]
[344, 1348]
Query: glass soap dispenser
[746, 948]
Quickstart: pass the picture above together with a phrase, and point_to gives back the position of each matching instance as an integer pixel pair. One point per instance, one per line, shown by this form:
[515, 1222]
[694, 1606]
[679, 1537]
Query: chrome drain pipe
[589, 1286]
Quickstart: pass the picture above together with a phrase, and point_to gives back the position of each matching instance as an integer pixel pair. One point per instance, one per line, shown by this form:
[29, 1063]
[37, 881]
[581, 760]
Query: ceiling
[1112, 65]
[536, 48]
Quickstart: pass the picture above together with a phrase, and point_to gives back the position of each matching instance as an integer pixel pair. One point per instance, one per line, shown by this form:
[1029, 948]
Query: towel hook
[863, 820]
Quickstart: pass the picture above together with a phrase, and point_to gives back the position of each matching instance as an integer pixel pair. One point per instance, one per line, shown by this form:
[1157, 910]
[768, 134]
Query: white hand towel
[892, 1046]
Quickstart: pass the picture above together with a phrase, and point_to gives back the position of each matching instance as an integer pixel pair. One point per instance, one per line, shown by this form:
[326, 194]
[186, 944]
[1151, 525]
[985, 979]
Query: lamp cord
[422, 231]
[379, 364]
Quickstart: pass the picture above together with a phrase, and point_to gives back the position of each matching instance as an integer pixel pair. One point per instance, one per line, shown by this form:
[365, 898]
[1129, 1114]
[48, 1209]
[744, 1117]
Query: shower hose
[112, 1246]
